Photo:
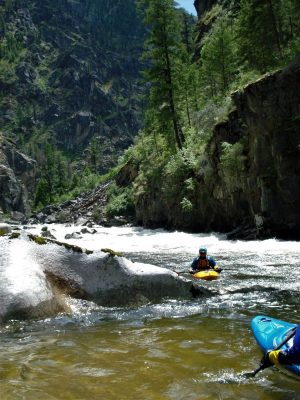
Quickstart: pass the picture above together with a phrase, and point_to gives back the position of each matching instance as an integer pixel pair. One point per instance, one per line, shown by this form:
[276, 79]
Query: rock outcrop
[203, 5]
[17, 176]
[36, 275]
[249, 178]
[266, 188]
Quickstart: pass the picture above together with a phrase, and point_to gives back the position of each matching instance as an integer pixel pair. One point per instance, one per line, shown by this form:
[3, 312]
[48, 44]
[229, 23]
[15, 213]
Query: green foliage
[266, 32]
[120, 201]
[177, 181]
[186, 205]
[11, 53]
[11, 48]
[7, 72]
[15, 235]
[241, 46]
[114, 25]
[38, 239]
[150, 153]
[8, 4]
[164, 55]
[231, 158]
[258, 33]
[206, 118]
[42, 195]
[54, 178]
[94, 154]
[293, 48]
[218, 62]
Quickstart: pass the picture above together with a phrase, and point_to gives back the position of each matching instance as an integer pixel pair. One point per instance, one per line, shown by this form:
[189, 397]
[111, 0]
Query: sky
[188, 5]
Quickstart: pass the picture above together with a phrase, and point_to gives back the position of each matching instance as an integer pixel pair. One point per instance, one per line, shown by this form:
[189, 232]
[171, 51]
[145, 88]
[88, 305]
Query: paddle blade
[253, 373]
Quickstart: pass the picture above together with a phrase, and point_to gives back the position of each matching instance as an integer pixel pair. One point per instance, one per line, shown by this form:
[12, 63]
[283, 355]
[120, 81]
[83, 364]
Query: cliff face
[265, 189]
[17, 174]
[69, 73]
[256, 191]
[204, 23]
[203, 5]
[69, 77]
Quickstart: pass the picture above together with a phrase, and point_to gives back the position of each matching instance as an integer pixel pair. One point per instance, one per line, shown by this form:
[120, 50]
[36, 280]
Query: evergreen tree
[187, 84]
[163, 55]
[62, 181]
[187, 32]
[260, 33]
[218, 59]
[41, 193]
[290, 27]
[94, 154]
[50, 170]
[55, 177]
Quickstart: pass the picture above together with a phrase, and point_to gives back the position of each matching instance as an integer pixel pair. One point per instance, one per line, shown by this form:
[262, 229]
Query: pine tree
[162, 56]
[260, 33]
[50, 170]
[95, 151]
[290, 27]
[218, 59]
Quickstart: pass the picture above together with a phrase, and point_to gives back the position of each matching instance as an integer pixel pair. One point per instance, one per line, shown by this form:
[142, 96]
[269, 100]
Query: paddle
[264, 363]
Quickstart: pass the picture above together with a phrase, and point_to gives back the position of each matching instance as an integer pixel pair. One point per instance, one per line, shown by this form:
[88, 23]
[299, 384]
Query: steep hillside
[69, 74]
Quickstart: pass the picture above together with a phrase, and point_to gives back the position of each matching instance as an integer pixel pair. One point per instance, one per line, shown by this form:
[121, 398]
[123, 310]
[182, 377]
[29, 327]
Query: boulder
[36, 275]
[5, 228]
[24, 289]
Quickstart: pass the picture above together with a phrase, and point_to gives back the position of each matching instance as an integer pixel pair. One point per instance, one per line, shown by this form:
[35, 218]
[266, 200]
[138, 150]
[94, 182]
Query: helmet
[203, 250]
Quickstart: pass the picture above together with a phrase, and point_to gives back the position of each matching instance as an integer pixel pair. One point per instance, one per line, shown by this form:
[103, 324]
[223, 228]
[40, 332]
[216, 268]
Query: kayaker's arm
[289, 356]
[194, 265]
[212, 262]
[266, 362]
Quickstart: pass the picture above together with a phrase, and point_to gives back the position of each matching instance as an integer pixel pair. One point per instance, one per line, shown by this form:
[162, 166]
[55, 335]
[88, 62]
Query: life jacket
[203, 263]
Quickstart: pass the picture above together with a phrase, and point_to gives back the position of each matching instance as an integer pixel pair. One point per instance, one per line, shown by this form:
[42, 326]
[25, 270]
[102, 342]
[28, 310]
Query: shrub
[231, 158]
[120, 201]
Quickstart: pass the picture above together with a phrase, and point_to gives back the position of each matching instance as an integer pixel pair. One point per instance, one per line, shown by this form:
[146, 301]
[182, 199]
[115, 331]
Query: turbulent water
[193, 349]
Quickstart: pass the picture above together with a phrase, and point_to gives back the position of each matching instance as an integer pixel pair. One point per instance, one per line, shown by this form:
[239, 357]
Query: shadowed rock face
[17, 173]
[35, 279]
[203, 5]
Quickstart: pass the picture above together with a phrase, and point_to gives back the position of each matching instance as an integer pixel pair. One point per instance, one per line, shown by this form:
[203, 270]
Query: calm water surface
[192, 350]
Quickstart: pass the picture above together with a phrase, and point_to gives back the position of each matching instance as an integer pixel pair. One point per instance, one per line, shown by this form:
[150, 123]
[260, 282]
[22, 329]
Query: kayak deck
[269, 333]
[209, 275]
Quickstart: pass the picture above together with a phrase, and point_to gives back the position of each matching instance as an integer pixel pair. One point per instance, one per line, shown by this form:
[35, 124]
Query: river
[193, 350]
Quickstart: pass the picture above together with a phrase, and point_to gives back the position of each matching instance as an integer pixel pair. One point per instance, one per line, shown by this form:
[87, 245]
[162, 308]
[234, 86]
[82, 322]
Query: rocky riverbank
[86, 209]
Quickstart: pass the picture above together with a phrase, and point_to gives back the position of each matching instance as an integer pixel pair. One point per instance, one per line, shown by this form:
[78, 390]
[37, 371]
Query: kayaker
[286, 357]
[202, 262]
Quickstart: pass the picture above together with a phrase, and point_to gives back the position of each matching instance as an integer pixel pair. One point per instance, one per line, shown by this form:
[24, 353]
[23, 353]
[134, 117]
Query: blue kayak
[269, 333]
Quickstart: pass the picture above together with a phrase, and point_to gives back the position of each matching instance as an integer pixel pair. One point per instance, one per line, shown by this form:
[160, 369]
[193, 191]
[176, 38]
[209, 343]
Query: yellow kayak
[209, 275]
